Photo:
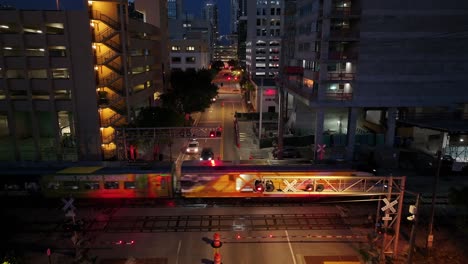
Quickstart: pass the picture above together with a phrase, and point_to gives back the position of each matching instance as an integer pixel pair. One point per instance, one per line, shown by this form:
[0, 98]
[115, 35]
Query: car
[192, 147]
[207, 154]
[288, 153]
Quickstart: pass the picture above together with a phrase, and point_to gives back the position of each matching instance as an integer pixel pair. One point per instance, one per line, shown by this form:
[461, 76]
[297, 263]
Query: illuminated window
[190, 48]
[32, 30]
[35, 52]
[175, 48]
[60, 73]
[54, 29]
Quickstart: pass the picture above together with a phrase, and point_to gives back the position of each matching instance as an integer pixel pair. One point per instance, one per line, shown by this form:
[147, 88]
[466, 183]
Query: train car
[261, 179]
[109, 182]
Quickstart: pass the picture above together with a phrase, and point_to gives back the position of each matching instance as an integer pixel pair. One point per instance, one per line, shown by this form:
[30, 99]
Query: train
[191, 179]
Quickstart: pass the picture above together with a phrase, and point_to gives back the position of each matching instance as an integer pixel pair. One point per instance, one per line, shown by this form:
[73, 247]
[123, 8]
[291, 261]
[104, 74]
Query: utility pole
[430, 236]
[413, 230]
[261, 114]
[280, 123]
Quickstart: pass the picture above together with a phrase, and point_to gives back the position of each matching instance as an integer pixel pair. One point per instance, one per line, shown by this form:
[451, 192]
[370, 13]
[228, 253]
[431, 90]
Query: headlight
[209, 158]
[195, 150]
[201, 158]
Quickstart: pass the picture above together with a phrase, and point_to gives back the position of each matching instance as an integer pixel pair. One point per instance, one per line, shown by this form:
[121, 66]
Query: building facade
[189, 54]
[360, 67]
[69, 78]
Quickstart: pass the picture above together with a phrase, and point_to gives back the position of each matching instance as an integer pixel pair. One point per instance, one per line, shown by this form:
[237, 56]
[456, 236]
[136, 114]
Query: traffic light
[320, 187]
[212, 133]
[216, 243]
[259, 186]
[217, 258]
[269, 186]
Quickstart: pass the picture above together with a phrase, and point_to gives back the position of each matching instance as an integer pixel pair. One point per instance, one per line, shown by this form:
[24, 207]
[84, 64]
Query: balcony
[338, 96]
[298, 88]
[340, 76]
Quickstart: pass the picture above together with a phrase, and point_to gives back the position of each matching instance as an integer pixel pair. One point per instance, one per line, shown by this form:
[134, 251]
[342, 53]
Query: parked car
[207, 154]
[288, 153]
[192, 147]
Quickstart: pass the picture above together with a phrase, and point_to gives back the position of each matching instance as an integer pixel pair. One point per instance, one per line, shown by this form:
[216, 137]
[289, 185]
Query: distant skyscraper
[234, 15]
[210, 13]
[174, 9]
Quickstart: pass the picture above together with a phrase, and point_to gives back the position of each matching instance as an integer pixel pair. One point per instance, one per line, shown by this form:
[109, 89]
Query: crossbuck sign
[290, 186]
[68, 204]
[389, 205]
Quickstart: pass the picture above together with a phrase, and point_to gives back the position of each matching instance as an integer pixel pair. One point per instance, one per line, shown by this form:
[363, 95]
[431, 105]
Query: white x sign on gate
[68, 204]
[389, 205]
[290, 186]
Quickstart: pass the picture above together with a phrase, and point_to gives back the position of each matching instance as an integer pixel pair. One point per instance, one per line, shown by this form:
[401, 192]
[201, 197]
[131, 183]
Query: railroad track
[201, 223]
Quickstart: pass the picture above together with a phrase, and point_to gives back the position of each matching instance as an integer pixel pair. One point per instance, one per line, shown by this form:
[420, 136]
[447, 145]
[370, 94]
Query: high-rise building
[210, 14]
[234, 19]
[69, 78]
[360, 68]
[175, 9]
[263, 38]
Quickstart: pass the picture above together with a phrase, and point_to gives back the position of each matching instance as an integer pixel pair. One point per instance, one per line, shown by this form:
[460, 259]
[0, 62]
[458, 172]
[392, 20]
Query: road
[183, 234]
[221, 113]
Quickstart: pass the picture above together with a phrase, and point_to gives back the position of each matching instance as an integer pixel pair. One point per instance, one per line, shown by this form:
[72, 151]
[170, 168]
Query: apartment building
[363, 67]
[263, 38]
[189, 54]
[68, 78]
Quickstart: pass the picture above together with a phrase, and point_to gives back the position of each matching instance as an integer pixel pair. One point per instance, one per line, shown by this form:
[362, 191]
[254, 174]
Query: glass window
[175, 48]
[70, 185]
[129, 185]
[57, 51]
[190, 60]
[91, 186]
[60, 73]
[176, 59]
[111, 185]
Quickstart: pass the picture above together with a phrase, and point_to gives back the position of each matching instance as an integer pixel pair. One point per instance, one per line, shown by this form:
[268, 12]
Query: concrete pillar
[391, 125]
[320, 115]
[351, 135]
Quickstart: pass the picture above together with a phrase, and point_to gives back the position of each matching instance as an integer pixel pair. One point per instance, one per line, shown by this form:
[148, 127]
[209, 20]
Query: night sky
[191, 6]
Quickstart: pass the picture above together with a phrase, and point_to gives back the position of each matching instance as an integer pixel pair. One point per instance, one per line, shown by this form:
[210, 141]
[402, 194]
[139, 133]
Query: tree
[233, 63]
[158, 117]
[217, 65]
[191, 91]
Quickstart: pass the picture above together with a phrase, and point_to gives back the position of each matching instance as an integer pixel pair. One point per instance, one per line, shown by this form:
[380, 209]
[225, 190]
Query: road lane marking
[290, 247]
[178, 251]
